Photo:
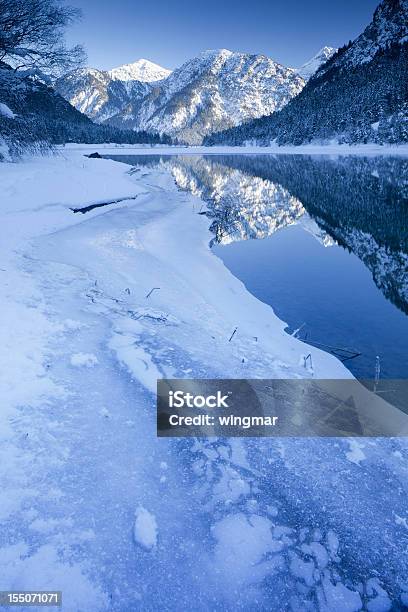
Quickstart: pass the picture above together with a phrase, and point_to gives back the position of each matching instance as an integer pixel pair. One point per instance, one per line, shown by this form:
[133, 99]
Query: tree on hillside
[32, 35]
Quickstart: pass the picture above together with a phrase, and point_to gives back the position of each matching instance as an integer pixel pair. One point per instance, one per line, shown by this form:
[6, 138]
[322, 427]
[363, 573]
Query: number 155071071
[30, 598]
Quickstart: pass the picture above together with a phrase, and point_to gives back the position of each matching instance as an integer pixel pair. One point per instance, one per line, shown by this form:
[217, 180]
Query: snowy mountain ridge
[213, 91]
[357, 96]
[217, 89]
[142, 70]
[102, 94]
[312, 65]
[388, 26]
[97, 94]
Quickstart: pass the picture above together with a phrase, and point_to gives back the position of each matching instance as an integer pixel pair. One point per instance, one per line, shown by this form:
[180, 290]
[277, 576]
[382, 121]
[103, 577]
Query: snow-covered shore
[310, 149]
[90, 501]
[162, 228]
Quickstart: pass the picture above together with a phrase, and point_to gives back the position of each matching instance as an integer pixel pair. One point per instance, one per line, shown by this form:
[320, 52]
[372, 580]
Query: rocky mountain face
[95, 93]
[359, 95]
[309, 68]
[214, 91]
[102, 94]
[388, 27]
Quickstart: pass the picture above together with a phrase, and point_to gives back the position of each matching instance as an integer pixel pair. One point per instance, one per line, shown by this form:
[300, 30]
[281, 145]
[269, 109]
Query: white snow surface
[253, 524]
[145, 529]
[79, 360]
[6, 111]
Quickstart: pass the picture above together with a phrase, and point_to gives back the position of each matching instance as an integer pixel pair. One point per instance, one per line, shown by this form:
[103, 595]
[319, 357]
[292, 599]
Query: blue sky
[169, 32]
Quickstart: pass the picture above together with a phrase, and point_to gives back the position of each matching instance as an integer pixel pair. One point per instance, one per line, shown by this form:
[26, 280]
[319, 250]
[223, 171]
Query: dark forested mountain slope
[359, 95]
[33, 114]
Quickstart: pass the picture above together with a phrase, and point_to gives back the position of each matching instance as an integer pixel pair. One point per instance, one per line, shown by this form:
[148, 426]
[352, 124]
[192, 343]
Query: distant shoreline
[312, 149]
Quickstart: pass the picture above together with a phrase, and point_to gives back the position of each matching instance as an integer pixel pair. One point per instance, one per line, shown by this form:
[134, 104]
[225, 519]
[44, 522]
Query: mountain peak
[214, 55]
[215, 52]
[389, 25]
[326, 51]
[312, 65]
[217, 89]
[141, 70]
[357, 96]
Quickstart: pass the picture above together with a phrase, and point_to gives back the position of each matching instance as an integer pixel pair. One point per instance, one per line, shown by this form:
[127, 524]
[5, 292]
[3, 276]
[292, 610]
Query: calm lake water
[323, 240]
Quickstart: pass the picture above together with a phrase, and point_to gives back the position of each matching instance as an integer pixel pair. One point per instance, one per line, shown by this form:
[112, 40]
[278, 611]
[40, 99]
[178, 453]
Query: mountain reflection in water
[356, 205]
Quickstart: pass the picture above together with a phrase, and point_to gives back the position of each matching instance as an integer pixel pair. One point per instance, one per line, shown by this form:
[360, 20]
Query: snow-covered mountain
[211, 92]
[389, 26]
[33, 116]
[142, 70]
[311, 66]
[359, 95]
[101, 94]
[95, 93]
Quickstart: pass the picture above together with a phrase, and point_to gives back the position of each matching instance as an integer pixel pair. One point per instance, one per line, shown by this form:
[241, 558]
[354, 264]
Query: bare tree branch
[32, 35]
